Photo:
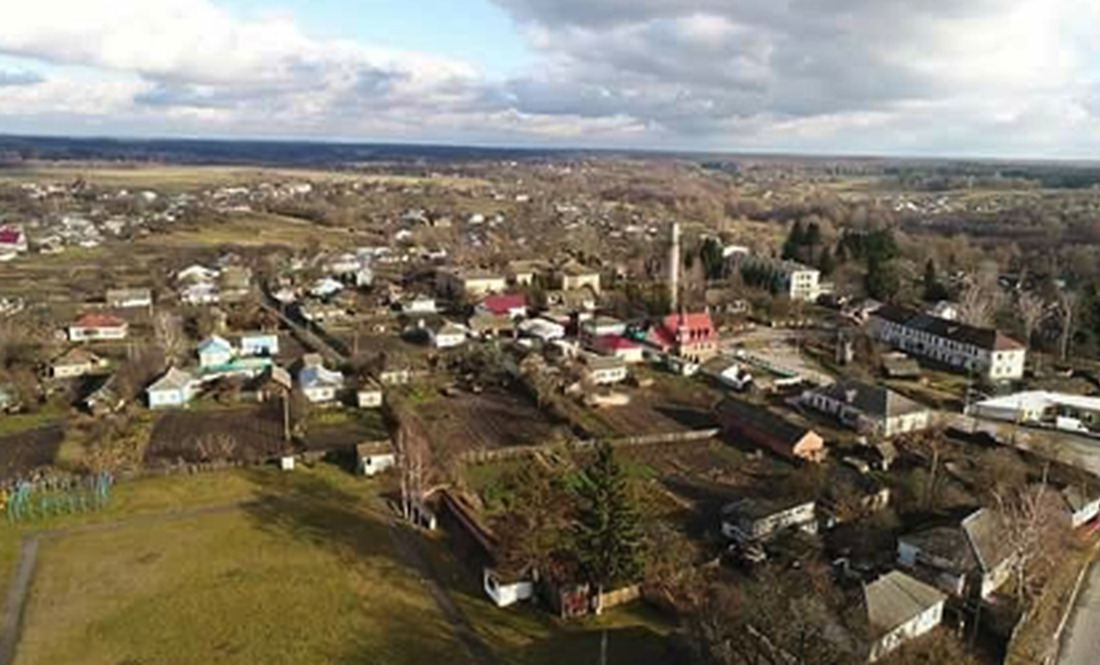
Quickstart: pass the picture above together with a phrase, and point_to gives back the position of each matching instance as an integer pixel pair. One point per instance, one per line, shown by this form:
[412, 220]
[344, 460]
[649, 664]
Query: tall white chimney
[674, 269]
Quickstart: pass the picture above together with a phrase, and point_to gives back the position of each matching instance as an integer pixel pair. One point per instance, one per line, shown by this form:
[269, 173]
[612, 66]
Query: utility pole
[286, 415]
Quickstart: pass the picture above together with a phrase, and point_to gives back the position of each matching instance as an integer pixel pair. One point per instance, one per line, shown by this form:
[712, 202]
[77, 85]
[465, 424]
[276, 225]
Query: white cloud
[989, 76]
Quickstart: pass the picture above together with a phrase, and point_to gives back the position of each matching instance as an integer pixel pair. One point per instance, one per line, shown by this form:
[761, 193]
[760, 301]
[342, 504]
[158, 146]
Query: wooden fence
[520, 452]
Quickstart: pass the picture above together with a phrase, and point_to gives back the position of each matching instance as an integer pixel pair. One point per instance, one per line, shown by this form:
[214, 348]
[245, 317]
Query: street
[1081, 643]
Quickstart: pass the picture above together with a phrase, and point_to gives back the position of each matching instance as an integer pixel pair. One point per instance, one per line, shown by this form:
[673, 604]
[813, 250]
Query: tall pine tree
[609, 536]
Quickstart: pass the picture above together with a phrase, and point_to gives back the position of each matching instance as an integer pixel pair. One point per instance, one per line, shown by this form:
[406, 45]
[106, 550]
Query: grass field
[306, 575]
[281, 568]
[251, 230]
[174, 179]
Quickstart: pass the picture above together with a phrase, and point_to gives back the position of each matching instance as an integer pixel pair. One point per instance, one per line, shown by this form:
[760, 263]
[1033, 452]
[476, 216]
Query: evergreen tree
[826, 263]
[713, 260]
[795, 239]
[934, 291]
[609, 537]
[882, 280]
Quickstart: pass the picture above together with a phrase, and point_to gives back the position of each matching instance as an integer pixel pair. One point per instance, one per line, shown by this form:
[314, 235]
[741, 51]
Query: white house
[196, 273]
[448, 336]
[605, 371]
[91, 327]
[900, 609]
[129, 298]
[369, 396]
[260, 344]
[982, 350]
[419, 305]
[215, 351]
[75, 363]
[200, 293]
[374, 457]
[760, 519]
[174, 389]
[325, 287]
[542, 329]
[318, 384]
[869, 408]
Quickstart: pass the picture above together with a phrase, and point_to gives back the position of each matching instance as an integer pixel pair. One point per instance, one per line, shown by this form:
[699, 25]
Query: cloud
[988, 76]
[12, 78]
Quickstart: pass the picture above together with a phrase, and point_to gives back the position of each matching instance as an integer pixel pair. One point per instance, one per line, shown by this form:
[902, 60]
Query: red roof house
[619, 347]
[12, 239]
[513, 305]
[98, 326]
[688, 335]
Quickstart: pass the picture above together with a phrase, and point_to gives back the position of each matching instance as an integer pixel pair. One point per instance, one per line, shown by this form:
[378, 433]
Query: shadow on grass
[628, 645]
[689, 416]
[313, 510]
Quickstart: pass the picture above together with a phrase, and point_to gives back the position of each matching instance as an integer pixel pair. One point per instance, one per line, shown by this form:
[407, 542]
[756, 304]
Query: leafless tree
[217, 447]
[777, 619]
[1037, 531]
[1068, 312]
[1032, 311]
[168, 328]
[413, 456]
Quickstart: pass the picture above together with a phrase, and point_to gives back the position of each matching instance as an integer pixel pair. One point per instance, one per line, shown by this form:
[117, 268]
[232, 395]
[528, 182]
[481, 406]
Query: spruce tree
[609, 536]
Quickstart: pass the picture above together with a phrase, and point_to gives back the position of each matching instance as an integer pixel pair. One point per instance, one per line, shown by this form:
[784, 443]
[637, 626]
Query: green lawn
[526, 635]
[303, 574]
[282, 568]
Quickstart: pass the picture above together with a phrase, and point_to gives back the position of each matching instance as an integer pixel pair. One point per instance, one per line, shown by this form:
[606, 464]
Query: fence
[520, 452]
[56, 496]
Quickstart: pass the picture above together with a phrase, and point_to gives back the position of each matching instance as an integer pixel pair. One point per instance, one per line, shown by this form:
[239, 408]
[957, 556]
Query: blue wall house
[174, 389]
[215, 352]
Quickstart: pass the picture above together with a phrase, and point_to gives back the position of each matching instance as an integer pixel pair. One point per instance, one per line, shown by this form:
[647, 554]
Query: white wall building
[900, 609]
[984, 351]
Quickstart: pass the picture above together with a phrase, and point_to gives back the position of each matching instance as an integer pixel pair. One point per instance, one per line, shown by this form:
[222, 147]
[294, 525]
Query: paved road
[1081, 643]
[1080, 451]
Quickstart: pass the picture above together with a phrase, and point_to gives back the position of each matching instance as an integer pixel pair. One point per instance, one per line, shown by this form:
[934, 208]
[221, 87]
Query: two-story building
[984, 351]
[462, 282]
[687, 335]
[789, 278]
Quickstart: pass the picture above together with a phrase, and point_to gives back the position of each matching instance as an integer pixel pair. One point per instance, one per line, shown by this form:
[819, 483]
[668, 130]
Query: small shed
[369, 396]
[374, 457]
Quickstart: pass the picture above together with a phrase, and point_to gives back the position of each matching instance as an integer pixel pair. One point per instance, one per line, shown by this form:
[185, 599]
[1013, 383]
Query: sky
[982, 78]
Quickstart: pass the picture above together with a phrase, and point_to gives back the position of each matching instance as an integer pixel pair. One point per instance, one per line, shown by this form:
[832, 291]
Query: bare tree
[1032, 311]
[982, 298]
[1068, 311]
[1037, 531]
[217, 447]
[977, 306]
[168, 328]
[413, 457]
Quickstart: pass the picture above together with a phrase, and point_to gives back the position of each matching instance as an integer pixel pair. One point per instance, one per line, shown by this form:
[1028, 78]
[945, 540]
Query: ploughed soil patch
[241, 435]
[21, 454]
